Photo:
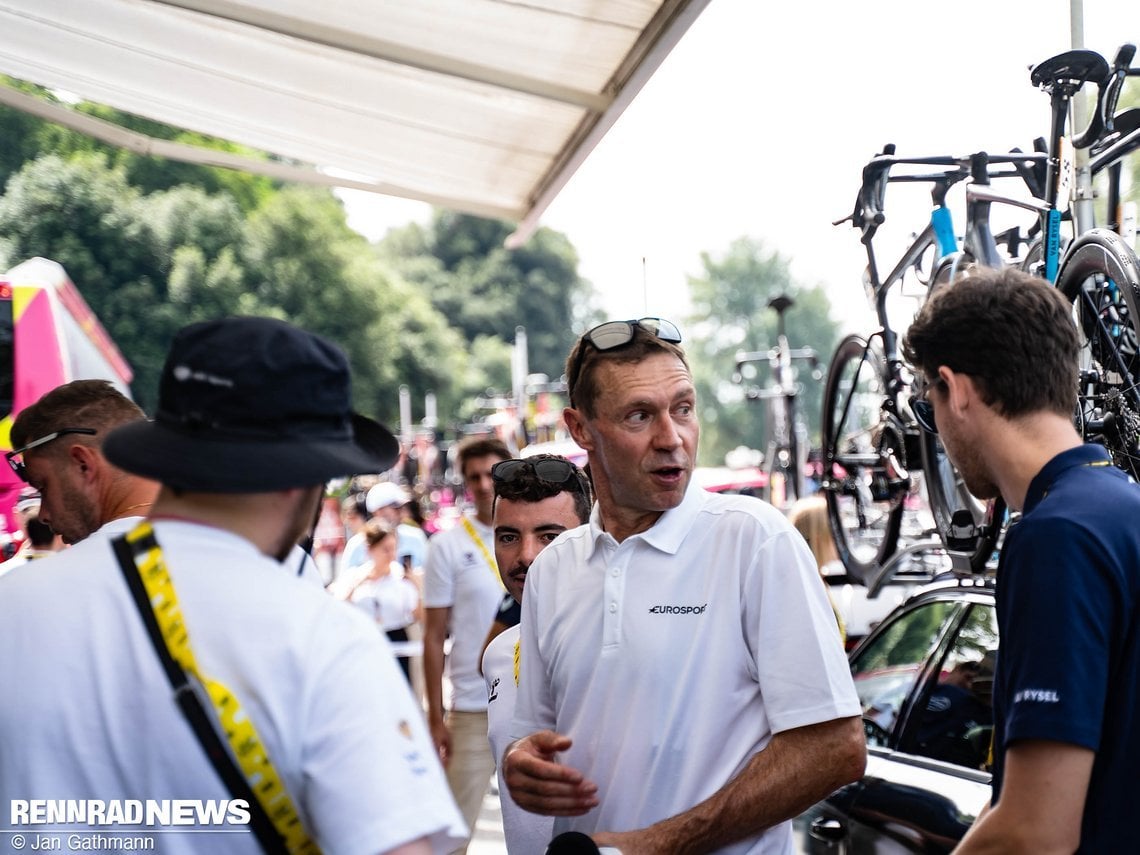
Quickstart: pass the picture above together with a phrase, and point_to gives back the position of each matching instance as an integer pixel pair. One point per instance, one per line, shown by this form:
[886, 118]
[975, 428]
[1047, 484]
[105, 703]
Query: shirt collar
[669, 531]
[1086, 454]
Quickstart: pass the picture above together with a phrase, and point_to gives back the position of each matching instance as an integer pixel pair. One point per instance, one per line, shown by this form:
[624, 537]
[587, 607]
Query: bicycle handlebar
[868, 214]
[1109, 93]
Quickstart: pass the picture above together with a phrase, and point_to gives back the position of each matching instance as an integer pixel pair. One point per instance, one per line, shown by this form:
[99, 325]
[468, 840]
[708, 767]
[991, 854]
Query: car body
[745, 481]
[924, 677]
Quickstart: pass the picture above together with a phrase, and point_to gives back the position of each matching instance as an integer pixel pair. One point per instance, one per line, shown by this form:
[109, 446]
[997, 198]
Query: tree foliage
[461, 262]
[730, 313]
[153, 245]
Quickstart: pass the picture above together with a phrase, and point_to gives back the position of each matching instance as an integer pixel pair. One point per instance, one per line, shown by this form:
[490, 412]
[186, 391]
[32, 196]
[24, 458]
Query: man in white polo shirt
[536, 499]
[682, 686]
[462, 593]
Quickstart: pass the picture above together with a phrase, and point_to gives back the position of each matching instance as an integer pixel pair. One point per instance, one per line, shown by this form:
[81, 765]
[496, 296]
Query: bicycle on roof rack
[875, 467]
[870, 454]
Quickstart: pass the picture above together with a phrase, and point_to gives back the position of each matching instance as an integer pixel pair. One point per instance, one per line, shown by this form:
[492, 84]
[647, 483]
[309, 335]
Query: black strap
[192, 707]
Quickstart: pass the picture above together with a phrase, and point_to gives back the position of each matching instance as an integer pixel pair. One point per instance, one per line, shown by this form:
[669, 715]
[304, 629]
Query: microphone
[572, 843]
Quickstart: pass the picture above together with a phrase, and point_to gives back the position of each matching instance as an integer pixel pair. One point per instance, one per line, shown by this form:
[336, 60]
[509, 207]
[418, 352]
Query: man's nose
[531, 546]
[667, 435]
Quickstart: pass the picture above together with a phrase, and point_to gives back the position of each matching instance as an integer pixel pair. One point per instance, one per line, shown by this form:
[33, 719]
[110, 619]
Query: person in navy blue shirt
[997, 355]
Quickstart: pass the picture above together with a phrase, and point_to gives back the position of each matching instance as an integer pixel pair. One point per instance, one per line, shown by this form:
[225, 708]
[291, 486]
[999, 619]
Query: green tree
[488, 290]
[85, 216]
[301, 259]
[731, 314]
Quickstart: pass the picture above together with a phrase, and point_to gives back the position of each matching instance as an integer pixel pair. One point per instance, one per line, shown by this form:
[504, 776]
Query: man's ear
[86, 459]
[960, 390]
[576, 423]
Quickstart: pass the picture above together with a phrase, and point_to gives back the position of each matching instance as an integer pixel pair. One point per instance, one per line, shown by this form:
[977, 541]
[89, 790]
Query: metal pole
[1083, 191]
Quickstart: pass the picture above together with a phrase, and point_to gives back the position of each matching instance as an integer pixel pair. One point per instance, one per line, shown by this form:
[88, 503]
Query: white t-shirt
[390, 601]
[671, 659]
[526, 833]
[458, 576]
[94, 716]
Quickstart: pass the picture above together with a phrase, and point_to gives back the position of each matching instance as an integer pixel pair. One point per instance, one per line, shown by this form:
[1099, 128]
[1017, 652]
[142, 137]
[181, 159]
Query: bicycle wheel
[945, 489]
[1099, 276]
[863, 458]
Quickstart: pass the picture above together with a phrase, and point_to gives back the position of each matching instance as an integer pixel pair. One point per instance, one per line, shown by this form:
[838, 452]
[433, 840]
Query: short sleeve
[372, 778]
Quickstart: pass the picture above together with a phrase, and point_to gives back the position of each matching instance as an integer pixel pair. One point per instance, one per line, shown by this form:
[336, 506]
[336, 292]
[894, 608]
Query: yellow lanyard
[488, 557]
[518, 656]
[239, 731]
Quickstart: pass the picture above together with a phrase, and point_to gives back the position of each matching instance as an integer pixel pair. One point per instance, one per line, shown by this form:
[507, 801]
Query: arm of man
[539, 783]
[796, 769]
[1041, 804]
[435, 633]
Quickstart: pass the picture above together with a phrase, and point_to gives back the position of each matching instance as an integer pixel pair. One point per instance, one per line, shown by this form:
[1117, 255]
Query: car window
[956, 719]
[885, 670]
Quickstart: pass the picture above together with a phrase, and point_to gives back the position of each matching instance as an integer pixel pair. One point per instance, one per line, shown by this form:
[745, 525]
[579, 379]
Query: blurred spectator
[388, 501]
[809, 516]
[354, 513]
[382, 591]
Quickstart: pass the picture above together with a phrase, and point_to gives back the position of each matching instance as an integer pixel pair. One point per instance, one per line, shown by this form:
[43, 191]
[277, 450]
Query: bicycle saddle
[1074, 67]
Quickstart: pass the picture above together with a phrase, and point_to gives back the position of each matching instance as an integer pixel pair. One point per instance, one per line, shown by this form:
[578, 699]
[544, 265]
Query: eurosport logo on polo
[678, 610]
[151, 813]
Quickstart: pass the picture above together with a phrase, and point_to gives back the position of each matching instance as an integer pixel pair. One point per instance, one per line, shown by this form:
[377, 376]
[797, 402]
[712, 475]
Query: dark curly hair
[1011, 332]
[526, 486]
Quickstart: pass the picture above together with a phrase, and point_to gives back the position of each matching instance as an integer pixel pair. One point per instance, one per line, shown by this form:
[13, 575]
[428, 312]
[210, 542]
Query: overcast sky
[759, 123]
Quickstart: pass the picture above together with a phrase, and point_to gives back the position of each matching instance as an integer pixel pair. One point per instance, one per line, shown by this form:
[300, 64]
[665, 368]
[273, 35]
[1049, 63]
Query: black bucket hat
[250, 405]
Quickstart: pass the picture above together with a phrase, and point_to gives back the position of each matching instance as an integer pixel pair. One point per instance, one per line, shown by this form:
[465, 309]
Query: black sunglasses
[923, 410]
[16, 458]
[614, 334]
[560, 473]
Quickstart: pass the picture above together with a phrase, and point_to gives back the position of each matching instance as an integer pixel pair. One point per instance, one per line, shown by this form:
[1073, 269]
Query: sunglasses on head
[614, 334]
[561, 473]
[16, 457]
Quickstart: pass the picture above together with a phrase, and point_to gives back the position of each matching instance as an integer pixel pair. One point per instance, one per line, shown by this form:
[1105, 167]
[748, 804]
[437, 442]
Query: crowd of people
[645, 666]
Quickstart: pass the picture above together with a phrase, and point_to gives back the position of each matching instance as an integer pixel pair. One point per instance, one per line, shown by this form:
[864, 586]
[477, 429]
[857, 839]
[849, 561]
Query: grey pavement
[488, 839]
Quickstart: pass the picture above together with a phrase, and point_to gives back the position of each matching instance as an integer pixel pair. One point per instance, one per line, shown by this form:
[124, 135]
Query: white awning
[482, 106]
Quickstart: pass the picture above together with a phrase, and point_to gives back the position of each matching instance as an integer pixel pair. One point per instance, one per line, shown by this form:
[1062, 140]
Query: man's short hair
[1011, 332]
[479, 446]
[81, 403]
[40, 535]
[526, 486]
[583, 389]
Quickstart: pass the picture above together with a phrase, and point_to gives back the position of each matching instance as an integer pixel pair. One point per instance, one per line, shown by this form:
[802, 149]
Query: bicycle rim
[864, 496]
[945, 489]
[1099, 276]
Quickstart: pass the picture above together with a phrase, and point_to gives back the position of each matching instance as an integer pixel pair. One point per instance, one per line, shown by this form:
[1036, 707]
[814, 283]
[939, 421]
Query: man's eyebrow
[550, 527]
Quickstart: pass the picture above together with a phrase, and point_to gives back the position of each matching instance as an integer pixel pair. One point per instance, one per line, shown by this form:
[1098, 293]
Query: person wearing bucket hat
[253, 417]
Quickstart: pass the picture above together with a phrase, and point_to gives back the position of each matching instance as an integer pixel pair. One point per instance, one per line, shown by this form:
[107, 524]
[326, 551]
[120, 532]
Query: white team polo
[457, 575]
[670, 659]
[526, 833]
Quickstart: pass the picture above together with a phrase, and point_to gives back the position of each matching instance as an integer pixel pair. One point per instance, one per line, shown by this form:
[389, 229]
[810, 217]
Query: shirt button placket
[613, 592]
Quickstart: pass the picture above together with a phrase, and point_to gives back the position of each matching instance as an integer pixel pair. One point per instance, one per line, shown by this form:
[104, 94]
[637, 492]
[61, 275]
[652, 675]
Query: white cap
[385, 495]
